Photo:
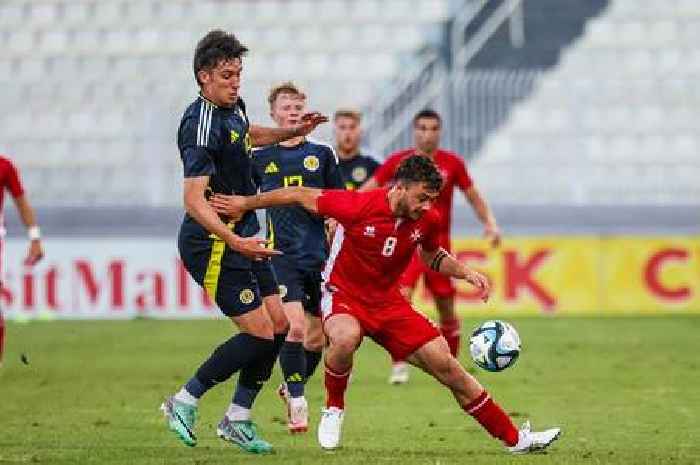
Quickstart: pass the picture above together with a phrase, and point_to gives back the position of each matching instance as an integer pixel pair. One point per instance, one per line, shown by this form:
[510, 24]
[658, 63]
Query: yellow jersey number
[295, 180]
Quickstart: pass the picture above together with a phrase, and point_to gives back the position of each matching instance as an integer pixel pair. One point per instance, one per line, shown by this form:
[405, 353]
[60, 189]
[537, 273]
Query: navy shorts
[266, 278]
[299, 285]
[222, 272]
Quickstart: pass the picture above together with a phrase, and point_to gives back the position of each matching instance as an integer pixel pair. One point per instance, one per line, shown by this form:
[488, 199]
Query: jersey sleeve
[198, 141]
[385, 172]
[372, 166]
[333, 178]
[341, 205]
[462, 179]
[430, 241]
[13, 183]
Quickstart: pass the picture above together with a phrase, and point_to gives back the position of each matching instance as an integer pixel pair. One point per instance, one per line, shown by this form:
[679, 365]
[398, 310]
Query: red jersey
[372, 247]
[9, 179]
[454, 173]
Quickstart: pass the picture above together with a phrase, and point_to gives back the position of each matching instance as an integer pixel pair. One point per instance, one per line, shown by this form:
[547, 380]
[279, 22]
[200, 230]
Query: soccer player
[300, 236]
[426, 129]
[378, 234]
[10, 180]
[355, 167]
[215, 139]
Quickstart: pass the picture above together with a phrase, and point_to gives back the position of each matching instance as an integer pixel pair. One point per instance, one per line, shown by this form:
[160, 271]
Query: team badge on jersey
[369, 231]
[359, 174]
[416, 235]
[234, 136]
[311, 162]
[246, 296]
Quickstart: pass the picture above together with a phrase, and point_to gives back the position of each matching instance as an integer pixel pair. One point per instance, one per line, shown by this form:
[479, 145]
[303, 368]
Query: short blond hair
[348, 113]
[287, 87]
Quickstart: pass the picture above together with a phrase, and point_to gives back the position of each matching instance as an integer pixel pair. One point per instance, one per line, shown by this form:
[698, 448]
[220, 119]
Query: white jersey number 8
[389, 246]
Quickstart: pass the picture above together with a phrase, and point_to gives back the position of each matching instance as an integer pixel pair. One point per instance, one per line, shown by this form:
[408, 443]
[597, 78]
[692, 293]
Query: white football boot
[529, 441]
[399, 373]
[297, 415]
[329, 428]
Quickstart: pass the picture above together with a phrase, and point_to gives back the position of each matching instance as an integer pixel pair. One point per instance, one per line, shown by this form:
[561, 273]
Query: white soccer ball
[495, 345]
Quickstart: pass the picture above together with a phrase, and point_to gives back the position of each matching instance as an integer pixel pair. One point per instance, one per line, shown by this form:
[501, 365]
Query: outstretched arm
[26, 213]
[198, 208]
[234, 205]
[485, 215]
[441, 261]
[260, 135]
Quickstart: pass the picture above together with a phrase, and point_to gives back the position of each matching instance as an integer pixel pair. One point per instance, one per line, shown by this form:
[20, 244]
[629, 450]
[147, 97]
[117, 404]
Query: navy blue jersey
[214, 141]
[299, 234]
[357, 170]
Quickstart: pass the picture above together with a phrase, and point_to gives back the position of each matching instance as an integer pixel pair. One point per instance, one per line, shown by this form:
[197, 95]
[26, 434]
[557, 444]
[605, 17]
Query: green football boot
[181, 418]
[244, 435]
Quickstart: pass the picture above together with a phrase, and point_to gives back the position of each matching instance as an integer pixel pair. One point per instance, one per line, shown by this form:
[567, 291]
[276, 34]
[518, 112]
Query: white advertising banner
[107, 278]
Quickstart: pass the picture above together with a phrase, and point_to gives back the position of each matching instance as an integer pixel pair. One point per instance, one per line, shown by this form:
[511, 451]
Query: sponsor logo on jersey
[359, 174]
[370, 231]
[311, 162]
[271, 168]
[246, 296]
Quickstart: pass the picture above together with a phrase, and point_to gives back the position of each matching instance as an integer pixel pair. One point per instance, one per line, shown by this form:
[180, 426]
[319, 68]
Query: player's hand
[34, 254]
[331, 226]
[309, 122]
[253, 248]
[479, 281]
[493, 234]
[232, 206]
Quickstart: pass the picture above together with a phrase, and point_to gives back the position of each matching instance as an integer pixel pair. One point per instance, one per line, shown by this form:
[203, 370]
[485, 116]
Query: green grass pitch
[624, 390]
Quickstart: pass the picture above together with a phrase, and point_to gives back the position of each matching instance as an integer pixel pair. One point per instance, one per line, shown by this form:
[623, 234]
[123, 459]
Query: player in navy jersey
[215, 139]
[355, 167]
[301, 237]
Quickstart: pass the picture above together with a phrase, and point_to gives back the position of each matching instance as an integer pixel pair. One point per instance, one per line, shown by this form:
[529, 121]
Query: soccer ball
[495, 345]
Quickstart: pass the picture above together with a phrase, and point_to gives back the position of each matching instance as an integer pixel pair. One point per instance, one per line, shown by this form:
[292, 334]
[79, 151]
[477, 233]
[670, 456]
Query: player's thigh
[256, 323]
[403, 330]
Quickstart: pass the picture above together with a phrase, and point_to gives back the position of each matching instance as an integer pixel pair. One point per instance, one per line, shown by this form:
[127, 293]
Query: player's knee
[280, 326]
[346, 342]
[314, 340]
[262, 328]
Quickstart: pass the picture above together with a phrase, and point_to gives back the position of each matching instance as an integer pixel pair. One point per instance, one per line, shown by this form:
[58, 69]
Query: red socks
[336, 384]
[493, 419]
[450, 330]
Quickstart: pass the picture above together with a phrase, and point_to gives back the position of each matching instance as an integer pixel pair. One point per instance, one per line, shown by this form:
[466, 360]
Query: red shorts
[395, 325]
[439, 285]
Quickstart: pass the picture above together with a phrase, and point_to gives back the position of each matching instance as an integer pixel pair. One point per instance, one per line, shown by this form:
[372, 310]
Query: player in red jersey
[427, 126]
[379, 231]
[9, 179]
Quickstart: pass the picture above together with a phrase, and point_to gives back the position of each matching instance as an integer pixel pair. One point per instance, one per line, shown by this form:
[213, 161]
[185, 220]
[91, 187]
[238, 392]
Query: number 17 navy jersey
[300, 235]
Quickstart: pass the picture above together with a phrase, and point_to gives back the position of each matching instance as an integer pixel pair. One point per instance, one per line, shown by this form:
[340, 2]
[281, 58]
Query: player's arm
[485, 214]
[199, 209]
[26, 214]
[261, 135]
[443, 262]
[368, 185]
[235, 206]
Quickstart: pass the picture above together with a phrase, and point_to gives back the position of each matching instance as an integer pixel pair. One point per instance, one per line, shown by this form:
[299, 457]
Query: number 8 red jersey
[372, 247]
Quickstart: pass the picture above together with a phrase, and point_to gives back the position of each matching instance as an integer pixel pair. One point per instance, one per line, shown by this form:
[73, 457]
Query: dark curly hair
[215, 47]
[418, 168]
